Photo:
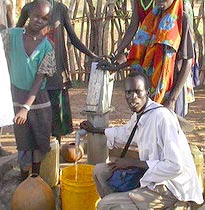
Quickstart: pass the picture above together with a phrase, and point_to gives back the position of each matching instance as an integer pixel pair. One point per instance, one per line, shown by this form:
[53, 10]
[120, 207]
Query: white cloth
[6, 105]
[163, 145]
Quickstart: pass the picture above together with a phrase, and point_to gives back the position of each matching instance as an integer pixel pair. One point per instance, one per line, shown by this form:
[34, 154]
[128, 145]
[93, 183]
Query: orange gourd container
[68, 152]
[33, 194]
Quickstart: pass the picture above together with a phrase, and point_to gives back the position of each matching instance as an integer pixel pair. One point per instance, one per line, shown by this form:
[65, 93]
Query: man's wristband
[26, 106]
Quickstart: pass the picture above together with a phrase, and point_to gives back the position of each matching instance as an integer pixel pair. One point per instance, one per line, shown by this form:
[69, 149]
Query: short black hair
[36, 3]
[146, 80]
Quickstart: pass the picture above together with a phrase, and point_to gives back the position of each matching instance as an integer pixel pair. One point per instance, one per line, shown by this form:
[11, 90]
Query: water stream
[76, 162]
[78, 135]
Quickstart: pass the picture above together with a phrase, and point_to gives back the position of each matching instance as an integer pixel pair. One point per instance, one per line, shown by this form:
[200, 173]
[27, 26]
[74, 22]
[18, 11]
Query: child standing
[58, 86]
[31, 59]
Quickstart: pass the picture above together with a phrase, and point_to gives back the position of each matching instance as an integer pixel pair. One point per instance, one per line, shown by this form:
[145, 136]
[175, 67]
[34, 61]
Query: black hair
[36, 3]
[146, 80]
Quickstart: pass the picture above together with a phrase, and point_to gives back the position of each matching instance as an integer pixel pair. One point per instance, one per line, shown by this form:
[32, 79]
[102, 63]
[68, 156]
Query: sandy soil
[122, 113]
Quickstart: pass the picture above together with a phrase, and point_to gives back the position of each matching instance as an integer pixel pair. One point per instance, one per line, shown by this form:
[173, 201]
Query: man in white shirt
[163, 151]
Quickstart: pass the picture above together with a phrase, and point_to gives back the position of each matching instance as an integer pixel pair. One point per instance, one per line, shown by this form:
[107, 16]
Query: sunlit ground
[121, 114]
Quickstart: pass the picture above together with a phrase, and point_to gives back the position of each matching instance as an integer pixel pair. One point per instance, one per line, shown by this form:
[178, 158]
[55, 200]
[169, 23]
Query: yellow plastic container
[49, 170]
[199, 163]
[78, 190]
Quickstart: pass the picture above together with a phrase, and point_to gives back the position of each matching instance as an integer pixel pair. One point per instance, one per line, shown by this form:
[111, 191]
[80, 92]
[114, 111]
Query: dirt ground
[122, 113]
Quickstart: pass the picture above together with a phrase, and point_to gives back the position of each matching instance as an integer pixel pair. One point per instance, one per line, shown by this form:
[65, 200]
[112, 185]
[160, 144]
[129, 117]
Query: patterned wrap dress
[158, 45]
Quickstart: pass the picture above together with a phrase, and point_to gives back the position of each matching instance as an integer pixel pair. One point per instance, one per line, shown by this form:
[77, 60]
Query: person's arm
[182, 77]
[108, 66]
[24, 15]
[130, 32]
[119, 163]
[123, 163]
[46, 69]
[86, 125]
[172, 146]
[186, 58]
[10, 13]
[74, 39]
[115, 136]
[21, 117]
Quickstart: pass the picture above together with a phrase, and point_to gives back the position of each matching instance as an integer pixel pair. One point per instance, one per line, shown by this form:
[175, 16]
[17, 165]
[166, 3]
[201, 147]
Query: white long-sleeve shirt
[164, 147]
[6, 105]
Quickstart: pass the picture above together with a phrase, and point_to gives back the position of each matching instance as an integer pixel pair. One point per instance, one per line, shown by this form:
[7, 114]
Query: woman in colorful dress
[163, 49]
[31, 60]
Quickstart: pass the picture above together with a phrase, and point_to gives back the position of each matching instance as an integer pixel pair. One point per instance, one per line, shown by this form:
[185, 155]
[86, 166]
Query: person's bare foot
[3, 152]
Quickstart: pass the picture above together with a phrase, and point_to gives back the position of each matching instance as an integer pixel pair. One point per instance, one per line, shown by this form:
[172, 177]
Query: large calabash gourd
[33, 194]
[69, 154]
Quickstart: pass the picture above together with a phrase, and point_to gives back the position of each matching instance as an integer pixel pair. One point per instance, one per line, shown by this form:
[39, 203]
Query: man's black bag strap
[133, 132]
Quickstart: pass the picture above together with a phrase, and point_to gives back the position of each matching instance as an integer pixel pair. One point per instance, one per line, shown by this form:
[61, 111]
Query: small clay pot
[68, 152]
